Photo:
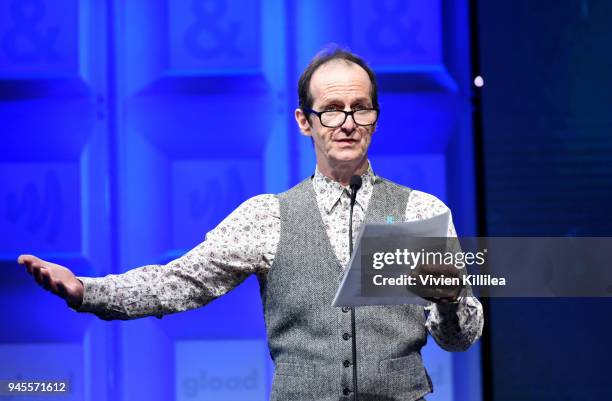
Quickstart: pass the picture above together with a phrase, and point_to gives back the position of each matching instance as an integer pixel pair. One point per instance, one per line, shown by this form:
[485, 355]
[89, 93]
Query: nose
[349, 125]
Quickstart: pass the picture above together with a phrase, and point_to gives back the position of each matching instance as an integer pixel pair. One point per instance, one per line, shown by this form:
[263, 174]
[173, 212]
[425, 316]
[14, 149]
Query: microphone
[354, 184]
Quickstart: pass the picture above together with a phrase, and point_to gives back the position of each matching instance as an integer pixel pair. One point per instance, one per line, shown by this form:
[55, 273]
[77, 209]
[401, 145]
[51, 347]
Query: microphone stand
[355, 184]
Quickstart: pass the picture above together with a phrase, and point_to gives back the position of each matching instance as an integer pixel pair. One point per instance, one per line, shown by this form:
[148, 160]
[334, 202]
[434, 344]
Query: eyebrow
[339, 102]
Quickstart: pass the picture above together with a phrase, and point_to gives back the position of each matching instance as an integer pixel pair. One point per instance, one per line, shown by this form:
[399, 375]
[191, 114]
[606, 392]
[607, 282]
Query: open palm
[54, 278]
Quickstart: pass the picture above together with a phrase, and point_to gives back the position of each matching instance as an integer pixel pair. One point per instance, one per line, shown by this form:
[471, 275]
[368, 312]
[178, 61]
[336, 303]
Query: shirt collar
[329, 192]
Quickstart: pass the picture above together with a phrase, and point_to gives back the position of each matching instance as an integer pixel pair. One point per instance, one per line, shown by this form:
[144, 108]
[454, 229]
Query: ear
[302, 121]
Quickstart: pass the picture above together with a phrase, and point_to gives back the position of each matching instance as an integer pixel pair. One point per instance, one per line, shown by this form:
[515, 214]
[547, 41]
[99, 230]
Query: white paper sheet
[349, 292]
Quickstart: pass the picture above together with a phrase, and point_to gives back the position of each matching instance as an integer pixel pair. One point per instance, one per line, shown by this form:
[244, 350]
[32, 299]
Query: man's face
[338, 85]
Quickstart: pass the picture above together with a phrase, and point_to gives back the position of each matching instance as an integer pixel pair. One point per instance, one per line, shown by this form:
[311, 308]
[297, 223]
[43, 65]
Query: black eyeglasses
[335, 118]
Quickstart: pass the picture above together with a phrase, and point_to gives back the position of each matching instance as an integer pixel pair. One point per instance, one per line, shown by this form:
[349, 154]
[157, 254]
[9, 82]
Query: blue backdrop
[120, 117]
[547, 169]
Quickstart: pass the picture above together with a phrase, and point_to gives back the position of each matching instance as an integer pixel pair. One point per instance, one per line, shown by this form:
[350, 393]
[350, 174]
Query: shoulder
[422, 205]
[296, 189]
[258, 208]
[390, 184]
[262, 201]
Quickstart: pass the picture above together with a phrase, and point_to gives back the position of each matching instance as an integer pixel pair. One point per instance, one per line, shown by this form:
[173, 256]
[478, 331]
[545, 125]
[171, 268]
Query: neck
[342, 172]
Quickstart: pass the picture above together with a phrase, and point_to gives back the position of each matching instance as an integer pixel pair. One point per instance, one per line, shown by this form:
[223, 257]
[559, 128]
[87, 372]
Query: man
[296, 243]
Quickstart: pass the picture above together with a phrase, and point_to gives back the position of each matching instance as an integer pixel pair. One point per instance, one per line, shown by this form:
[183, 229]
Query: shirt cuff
[97, 294]
[448, 309]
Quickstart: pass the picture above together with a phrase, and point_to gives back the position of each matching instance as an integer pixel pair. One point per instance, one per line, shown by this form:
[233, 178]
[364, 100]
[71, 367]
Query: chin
[347, 156]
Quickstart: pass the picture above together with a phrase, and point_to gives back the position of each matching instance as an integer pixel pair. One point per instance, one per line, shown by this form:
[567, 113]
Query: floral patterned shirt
[245, 243]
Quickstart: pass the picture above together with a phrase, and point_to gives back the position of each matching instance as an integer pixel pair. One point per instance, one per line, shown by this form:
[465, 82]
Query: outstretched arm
[242, 244]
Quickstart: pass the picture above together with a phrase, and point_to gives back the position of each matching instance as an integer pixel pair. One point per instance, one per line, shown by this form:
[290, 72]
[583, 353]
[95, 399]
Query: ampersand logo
[25, 41]
[207, 205]
[39, 209]
[207, 38]
[389, 34]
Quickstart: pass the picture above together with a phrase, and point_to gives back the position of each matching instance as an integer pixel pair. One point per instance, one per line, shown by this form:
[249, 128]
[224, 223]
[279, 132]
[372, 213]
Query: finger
[46, 279]
[53, 285]
[27, 259]
[61, 289]
[32, 266]
[432, 292]
[37, 273]
[439, 300]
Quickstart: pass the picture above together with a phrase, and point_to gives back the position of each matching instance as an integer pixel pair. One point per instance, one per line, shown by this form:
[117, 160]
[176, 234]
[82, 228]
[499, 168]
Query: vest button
[346, 336]
[345, 309]
[346, 391]
[346, 363]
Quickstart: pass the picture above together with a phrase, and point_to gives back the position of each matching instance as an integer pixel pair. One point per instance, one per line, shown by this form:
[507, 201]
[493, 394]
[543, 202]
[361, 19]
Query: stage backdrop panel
[131, 129]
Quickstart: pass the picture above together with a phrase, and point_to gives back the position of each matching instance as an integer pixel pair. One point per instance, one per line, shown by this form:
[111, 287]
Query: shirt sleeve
[242, 244]
[454, 326]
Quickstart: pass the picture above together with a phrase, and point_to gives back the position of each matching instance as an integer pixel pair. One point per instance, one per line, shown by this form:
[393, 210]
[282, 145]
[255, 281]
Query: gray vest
[310, 340]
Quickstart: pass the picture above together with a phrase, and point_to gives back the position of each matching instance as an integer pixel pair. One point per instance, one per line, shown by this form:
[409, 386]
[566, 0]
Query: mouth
[346, 140]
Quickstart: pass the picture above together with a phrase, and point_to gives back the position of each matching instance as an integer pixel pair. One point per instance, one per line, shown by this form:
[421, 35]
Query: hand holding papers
[380, 245]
